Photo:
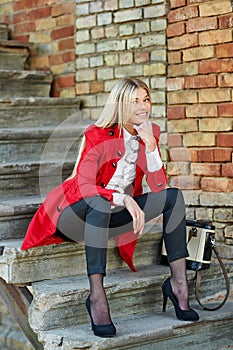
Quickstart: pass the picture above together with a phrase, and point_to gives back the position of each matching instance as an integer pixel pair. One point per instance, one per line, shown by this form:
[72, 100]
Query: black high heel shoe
[103, 331]
[183, 315]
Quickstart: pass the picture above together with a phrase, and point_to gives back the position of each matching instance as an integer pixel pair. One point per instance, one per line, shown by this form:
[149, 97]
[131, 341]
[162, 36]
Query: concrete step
[45, 143]
[39, 111]
[4, 31]
[25, 83]
[150, 331]
[14, 55]
[61, 303]
[23, 267]
[11, 338]
[33, 178]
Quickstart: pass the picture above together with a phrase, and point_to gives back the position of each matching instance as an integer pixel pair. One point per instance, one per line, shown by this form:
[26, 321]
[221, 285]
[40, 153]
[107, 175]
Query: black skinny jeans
[92, 220]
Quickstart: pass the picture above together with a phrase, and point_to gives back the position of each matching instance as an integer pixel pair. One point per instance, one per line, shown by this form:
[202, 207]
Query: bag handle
[198, 281]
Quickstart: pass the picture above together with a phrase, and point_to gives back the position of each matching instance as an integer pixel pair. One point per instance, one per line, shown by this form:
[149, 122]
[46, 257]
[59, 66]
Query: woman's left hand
[145, 131]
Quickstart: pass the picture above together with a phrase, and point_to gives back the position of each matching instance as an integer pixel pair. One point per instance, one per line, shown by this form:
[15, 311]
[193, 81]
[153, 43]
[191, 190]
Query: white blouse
[126, 167]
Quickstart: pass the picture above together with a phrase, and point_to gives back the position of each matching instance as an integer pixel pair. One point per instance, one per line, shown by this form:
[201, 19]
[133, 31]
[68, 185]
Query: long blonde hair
[118, 107]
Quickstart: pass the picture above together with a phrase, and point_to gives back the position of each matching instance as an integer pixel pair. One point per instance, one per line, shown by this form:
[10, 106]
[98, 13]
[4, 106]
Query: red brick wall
[200, 106]
[50, 25]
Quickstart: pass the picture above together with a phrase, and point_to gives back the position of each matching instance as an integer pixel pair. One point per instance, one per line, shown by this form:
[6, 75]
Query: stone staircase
[38, 145]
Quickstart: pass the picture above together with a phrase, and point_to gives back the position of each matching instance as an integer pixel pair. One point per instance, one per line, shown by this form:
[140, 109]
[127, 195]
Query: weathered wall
[50, 25]
[200, 107]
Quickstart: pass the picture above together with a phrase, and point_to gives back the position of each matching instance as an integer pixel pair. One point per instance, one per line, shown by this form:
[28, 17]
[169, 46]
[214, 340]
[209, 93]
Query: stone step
[33, 178]
[61, 303]
[40, 111]
[23, 267]
[45, 143]
[14, 55]
[25, 83]
[149, 331]
[11, 338]
[15, 215]
[4, 32]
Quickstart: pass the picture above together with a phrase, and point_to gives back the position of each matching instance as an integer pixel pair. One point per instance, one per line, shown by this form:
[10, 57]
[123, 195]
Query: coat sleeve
[89, 165]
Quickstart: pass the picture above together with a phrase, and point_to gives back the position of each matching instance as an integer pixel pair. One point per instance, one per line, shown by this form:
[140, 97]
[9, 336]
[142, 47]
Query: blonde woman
[104, 198]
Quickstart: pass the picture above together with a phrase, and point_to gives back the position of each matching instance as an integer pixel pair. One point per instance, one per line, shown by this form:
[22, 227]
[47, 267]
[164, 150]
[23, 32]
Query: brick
[215, 66]
[214, 95]
[158, 55]
[224, 50]
[96, 6]
[69, 56]
[216, 199]
[66, 44]
[97, 86]
[111, 31]
[141, 57]
[225, 140]
[64, 21]
[105, 74]
[198, 53]
[175, 84]
[186, 182]
[97, 33]
[215, 37]
[222, 154]
[225, 80]
[111, 60]
[182, 126]
[174, 140]
[85, 75]
[26, 27]
[83, 35]
[40, 37]
[226, 22]
[182, 14]
[205, 155]
[180, 97]
[45, 24]
[61, 9]
[104, 18]
[175, 112]
[86, 22]
[158, 83]
[216, 184]
[64, 68]
[227, 170]
[225, 110]
[82, 62]
[111, 45]
[132, 70]
[82, 9]
[141, 27]
[216, 124]
[39, 13]
[24, 4]
[82, 88]
[62, 32]
[96, 61]
[21, 17]
[190, 68]
[214, 8]
[155, 11]
[127, 15]
[177, 168]
[183, 41]
[133, 43]
[127, 29]
[158, 24]
[179, 154]
[202, 110]
[86, 48]
[153, 39]
[66, 81]
[174, 57]
[126, 3]
[199, 139]
[176, 29]
[111, 5]
[154, 68]
[201, 24]
[177, 3]
[56, 59]
[40, 62]
[126, 58]
[200, 81]
[206, 169]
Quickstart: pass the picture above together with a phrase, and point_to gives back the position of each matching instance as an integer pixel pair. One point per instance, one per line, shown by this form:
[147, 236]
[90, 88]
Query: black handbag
[201, 243]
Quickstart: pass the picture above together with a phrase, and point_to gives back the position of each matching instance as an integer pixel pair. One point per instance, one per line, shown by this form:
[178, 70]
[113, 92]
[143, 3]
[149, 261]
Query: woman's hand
[145, 131]
[137, 214]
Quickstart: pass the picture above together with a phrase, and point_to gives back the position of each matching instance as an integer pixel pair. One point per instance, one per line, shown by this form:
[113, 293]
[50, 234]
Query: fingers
[137, 214]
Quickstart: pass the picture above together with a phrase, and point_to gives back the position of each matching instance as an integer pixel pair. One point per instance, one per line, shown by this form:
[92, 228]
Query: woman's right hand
[137, 214]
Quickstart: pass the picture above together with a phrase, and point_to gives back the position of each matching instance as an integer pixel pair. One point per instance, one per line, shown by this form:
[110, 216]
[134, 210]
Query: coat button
[103, 184]
[114, 165]
[111, 132]
[59, 208]
[160, 185]
[119, 153]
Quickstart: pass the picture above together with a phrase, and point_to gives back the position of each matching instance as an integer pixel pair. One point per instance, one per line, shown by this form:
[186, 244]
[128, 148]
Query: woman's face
[141, 109]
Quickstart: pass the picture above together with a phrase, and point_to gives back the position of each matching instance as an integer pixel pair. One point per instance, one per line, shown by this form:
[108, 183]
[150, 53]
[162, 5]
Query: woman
[103, 198]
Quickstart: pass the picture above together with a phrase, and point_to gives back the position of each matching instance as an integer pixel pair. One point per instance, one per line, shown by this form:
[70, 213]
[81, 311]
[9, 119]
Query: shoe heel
[164, 302]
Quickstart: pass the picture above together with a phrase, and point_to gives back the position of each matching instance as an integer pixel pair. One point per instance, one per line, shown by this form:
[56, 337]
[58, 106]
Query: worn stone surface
[26, 83]
[3, 31]
[150, 331]
[13, 55]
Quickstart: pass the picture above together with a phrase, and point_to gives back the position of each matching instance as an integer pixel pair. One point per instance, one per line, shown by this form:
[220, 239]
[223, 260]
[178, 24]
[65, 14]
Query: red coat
[104, 148]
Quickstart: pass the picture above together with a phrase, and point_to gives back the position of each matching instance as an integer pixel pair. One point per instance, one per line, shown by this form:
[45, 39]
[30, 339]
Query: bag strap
[198, 282]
